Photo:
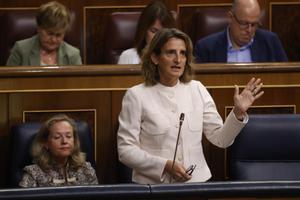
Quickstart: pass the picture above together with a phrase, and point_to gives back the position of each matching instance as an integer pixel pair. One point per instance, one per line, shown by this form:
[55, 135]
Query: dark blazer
[266, 47]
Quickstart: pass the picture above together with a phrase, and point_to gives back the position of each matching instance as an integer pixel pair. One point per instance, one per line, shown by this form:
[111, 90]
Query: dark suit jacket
[266, 47]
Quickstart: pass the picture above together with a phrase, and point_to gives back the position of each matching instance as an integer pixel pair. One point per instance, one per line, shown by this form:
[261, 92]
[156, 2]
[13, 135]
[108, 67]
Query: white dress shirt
[149, 123]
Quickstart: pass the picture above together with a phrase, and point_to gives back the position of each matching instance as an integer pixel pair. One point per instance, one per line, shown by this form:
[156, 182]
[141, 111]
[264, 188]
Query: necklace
[48, 58]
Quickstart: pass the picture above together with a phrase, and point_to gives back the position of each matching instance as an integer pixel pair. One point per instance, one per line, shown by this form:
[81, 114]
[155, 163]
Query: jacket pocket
[155, 124]
[195, 120]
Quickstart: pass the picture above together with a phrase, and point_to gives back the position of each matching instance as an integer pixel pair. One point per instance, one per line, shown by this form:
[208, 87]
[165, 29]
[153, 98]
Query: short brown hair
[150, 70]
[153, 11]
[42, 156]
[53, 15]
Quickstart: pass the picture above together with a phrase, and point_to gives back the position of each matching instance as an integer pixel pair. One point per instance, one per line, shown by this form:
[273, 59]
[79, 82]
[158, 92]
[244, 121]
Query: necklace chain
[48, 57]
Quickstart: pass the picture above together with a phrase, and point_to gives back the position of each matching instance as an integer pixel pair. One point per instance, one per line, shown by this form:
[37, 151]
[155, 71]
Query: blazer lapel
[221, 51]
[255, 50]
[34, 57]
[62, 55]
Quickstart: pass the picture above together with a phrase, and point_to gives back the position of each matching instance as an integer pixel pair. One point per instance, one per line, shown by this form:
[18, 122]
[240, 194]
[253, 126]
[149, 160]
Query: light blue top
[243, 54]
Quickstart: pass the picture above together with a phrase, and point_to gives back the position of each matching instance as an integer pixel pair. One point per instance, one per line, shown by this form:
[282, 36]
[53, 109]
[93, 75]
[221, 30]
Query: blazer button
[179, 158]
[170, 96]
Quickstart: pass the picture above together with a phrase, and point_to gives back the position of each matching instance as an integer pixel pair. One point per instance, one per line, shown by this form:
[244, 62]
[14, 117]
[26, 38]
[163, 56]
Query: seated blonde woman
[48, 46]
[57, 157]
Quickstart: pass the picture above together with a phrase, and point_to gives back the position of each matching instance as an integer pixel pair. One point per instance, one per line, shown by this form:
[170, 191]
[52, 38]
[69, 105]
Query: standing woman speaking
[48, 46]
[152, 116]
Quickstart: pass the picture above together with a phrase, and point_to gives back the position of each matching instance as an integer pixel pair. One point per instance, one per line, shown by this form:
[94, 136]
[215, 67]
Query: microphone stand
[181, 118]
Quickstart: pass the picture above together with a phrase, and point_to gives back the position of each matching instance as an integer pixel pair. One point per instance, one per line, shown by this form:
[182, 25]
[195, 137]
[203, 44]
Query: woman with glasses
[242, 40]
[48, 46]
[162, 120]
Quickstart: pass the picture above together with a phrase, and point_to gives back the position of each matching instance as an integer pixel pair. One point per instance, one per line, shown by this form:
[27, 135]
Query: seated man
[242, 41]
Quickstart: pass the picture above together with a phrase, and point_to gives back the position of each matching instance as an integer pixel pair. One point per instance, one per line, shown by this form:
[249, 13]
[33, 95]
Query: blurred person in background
[242, 40]
[152, 19]
[48, 46]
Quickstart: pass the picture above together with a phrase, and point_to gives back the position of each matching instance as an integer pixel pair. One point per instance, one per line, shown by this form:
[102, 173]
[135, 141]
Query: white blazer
[149, 124]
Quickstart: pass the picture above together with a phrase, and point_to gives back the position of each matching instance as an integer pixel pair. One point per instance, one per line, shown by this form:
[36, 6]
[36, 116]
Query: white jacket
[149, 124]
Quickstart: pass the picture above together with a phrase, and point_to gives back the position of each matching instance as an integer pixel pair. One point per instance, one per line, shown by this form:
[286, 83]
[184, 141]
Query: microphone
[181, 118]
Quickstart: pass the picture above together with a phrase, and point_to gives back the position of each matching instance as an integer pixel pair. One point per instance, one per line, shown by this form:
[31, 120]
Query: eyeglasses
[244, 24]
[190, 169]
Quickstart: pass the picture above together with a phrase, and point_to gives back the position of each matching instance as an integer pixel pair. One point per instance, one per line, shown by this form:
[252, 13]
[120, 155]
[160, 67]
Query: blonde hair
[53, 15]
[150, 70]
[43, 157]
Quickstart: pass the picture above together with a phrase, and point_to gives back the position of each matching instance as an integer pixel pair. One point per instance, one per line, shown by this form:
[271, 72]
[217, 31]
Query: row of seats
[120, 32]
[267, 149]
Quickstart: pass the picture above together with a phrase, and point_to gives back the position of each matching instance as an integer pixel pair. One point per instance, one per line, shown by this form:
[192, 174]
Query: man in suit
[242, 41]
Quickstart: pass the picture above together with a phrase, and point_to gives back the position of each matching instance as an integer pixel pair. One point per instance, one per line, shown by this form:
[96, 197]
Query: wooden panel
[86, 78]
[284, 20]
[4, 138]
[267, 109]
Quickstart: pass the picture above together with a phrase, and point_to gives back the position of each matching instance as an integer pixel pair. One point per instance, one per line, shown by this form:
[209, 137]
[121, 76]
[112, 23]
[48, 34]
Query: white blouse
[129, 56]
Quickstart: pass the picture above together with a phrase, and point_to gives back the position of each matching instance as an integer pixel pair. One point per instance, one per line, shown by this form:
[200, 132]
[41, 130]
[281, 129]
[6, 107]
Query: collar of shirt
[242, 54]
[168, 88]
